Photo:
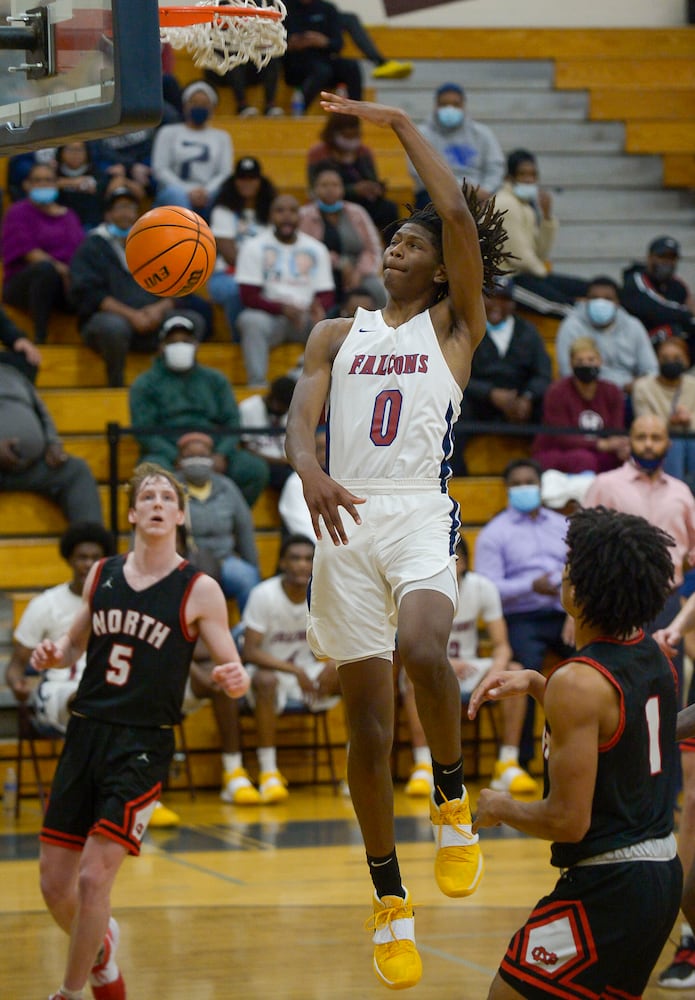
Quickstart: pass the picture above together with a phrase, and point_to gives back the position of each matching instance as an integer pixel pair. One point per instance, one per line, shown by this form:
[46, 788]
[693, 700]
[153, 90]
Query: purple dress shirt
[514, 549]
[25, 228]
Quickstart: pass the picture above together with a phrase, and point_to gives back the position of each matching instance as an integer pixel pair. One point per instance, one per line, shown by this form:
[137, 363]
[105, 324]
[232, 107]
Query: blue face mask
[648, 464]
[449, 116]
[337, 206]
[43, 195]
[117, 231]
[525, 498]
[198, 115]
[525, 192]
[494, 327]
[601, 312]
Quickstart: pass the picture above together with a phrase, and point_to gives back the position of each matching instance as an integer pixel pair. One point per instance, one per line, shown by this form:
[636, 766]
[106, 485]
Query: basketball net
[221, 35]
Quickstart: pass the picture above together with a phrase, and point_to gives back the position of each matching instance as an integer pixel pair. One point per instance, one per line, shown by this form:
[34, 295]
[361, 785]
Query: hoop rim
[185, 16]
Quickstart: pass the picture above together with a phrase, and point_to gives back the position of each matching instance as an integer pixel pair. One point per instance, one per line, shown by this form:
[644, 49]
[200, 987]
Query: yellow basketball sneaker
[396, 961]
[509, 777]
[238, 789]
[272, 787]
[420, 783]
[458, 863]
[392, 69]
[163, 818]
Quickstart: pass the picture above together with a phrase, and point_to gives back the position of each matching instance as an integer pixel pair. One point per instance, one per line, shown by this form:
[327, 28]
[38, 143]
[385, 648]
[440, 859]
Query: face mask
[74, 171]
[198, 115]
[586, 373]
[450, 116]
[663, 271]
[43, 195]
[348, 145]
[498, 327]
[648, 464]
[117, 231]
[179, 356]
[671, 369]
[601, 312]
[196, 469]
[525, 192]
[525, 498]
[337, 206]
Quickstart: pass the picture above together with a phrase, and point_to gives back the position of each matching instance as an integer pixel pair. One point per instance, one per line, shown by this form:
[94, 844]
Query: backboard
[74, 69]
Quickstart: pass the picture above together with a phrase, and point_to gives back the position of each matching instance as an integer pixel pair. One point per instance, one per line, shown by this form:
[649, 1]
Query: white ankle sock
[508, 753]
[267, 759]
[231, 762]
[422, 755]
[71, 994]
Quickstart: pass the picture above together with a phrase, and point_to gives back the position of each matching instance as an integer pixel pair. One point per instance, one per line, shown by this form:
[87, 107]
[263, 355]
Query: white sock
[422, 755]
[267, 759]
[231, 762]
[71, 994]
[686, 930]
[508, 753]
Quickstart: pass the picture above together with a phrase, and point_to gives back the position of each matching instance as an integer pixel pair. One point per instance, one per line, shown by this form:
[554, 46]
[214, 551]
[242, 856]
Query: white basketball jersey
[393, 402]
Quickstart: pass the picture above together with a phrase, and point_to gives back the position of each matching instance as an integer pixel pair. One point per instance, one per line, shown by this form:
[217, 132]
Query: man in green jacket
[177, 395]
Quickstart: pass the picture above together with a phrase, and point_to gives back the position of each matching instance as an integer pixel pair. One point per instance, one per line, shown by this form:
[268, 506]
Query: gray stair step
[585, 205]
[592, 170]
[500, 73]
[610, 239]
[556, 137]
[488, 104]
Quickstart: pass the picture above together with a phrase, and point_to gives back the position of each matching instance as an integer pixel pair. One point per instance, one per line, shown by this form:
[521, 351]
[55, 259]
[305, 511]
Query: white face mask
[179, 356]
[525, 192]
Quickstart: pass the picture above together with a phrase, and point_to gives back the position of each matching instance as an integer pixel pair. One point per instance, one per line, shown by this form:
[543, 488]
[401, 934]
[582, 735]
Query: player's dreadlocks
[620, 568]
[491, 234]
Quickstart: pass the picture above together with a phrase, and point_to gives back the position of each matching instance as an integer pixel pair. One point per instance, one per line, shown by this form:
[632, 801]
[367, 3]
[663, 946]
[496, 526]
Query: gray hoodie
[471, 150]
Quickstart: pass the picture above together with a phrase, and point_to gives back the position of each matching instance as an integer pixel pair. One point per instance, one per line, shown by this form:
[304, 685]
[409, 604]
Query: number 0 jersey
[393, 403]
[637, 768]
[139, 651]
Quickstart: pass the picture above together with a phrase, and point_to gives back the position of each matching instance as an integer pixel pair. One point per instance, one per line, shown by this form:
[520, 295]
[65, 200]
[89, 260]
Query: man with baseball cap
[177, 394]
[657, 296]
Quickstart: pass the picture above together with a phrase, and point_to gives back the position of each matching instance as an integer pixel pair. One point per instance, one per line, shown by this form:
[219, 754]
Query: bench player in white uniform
[396, 379]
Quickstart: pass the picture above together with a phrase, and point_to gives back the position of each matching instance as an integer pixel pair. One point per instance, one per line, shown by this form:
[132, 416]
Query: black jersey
[139, 650]
[637, 768]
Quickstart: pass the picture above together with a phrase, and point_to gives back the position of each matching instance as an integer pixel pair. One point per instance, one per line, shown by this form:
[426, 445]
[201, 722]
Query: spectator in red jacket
[587, 402]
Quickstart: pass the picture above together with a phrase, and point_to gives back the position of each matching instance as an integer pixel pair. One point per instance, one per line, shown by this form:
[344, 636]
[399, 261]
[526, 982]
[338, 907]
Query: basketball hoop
[222, 35]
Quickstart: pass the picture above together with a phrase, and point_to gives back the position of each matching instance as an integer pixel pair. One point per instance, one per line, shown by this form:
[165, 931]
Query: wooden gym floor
[269, 903]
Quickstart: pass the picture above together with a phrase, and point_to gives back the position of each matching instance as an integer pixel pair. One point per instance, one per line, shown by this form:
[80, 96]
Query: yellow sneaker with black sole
[392, 69]
[507, 776]
[396, 961]
[458, 863]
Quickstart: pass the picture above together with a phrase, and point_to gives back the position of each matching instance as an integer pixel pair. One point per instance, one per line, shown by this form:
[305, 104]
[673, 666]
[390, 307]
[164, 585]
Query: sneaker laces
[456, 813]
[382, 919]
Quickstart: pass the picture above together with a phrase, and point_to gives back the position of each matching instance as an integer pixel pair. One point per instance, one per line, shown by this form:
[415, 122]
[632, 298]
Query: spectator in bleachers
[270, 411]
[384, 69]
[348, 233]
[283, 669]
[671, 395]
[18, 168]
[479, 602]
[20, 352]
[511, 368]
[531, 227]
[470, 148]
[191, 159]
[114, 312]
[586, 401]
[314, 40]
[286, 286]
[522, 550]
[178, 394]
[341, 147]
[626, 352]
[219, 521]
[247, 75]
[241, 209]
[32, 457]
[357, 298]
[126, 159]
[81, 185]
[655, 294]
[39, 239]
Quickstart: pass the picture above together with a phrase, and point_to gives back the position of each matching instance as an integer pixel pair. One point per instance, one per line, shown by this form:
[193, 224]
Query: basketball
[170, 251]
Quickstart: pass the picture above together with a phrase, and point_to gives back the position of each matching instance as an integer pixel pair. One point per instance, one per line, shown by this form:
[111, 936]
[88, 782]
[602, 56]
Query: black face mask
[586, 373]
[671, 369]
[663, 271]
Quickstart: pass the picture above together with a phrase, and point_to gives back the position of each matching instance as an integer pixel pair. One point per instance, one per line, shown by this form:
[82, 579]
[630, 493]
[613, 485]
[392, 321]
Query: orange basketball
[170, 251]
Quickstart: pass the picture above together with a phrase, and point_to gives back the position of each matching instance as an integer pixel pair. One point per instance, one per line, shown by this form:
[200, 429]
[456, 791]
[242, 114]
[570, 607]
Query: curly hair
[620, 568]
[229, 197]
[492, 235]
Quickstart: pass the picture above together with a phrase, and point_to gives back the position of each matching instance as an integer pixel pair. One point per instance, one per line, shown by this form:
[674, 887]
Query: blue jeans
[176, 194]
[680, 458]
[238, 578]
[223, 290]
